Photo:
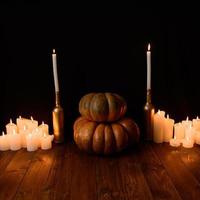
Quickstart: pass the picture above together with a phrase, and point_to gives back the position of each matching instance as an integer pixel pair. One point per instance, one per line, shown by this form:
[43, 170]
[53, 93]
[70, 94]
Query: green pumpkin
[102, 107]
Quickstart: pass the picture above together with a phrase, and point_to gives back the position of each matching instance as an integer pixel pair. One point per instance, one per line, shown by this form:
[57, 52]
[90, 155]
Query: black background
[97, 53]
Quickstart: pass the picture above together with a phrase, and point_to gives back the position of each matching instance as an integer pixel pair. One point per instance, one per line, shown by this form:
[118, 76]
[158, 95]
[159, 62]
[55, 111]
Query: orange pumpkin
[102, 107]
[105, 138]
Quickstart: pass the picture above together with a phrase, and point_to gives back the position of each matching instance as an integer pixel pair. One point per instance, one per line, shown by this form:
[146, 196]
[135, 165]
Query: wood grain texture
[186, 184]
[158, 180]
[148, 171]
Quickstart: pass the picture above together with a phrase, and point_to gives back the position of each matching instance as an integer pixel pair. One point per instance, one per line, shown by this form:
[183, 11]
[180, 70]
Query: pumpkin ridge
[98, 124]
[125, 130]
[90, 108]
[124, 107]
[115, 140]
[105, 94]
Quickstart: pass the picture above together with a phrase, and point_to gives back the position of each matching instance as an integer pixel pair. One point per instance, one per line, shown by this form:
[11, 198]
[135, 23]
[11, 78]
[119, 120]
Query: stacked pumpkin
[102, 128]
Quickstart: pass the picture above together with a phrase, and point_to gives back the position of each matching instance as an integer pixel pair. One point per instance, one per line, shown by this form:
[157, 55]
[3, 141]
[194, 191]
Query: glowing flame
[54, 51]
[149, 47]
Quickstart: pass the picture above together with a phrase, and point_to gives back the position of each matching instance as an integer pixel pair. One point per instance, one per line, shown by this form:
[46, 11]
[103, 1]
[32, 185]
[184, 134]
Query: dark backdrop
[98, 53]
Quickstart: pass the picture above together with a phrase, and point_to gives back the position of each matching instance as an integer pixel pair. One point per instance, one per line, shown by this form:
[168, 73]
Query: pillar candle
[188, 143]
[11, 127]
[186, 123]
[44, 128]
[23, 133]
[32, 142]
[38, 134]
[168, 129]
[4, 143]
[196, 124]
[46, 142]
[190, 133]
[32, 124]
[174, 142]
[179, 131]
[20, 123]
[197, 137]
[158, 126]
[14, 141]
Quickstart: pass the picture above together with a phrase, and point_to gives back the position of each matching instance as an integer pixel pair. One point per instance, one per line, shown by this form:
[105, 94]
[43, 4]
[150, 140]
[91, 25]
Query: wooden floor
[150, 171]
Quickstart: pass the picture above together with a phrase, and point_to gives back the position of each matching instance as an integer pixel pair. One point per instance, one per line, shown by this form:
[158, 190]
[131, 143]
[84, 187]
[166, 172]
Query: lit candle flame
[31, 118]
[159, 112]
[20, 117]
[187, 118]
[42, 122]
[10, 121]
[54, 51]
[149, 47]
[3, 133]
[197, 117]
[167, 116]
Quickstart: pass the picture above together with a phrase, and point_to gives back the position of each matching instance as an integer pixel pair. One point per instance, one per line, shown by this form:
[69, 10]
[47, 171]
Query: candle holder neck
[148, 97]
[57, 99]
[149, 113]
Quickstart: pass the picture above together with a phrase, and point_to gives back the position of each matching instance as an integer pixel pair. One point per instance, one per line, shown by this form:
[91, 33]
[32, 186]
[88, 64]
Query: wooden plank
[109, 178]
[73, 175]
[184, 181]
[36, 184]
[5, 158]
[157, 178]
[14, 173]
[82, 182]
[133, 181]
[190, 157]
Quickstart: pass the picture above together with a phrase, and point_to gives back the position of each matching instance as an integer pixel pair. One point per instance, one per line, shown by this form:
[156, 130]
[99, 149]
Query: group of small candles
[26, 134]
[165, 129]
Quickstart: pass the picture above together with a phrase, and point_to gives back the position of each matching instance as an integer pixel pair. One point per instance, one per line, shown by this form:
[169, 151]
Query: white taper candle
[55, 73]
[148, 68]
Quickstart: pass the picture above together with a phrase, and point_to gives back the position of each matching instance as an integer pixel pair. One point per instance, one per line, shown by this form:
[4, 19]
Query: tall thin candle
[148, 68]
[55, 73]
